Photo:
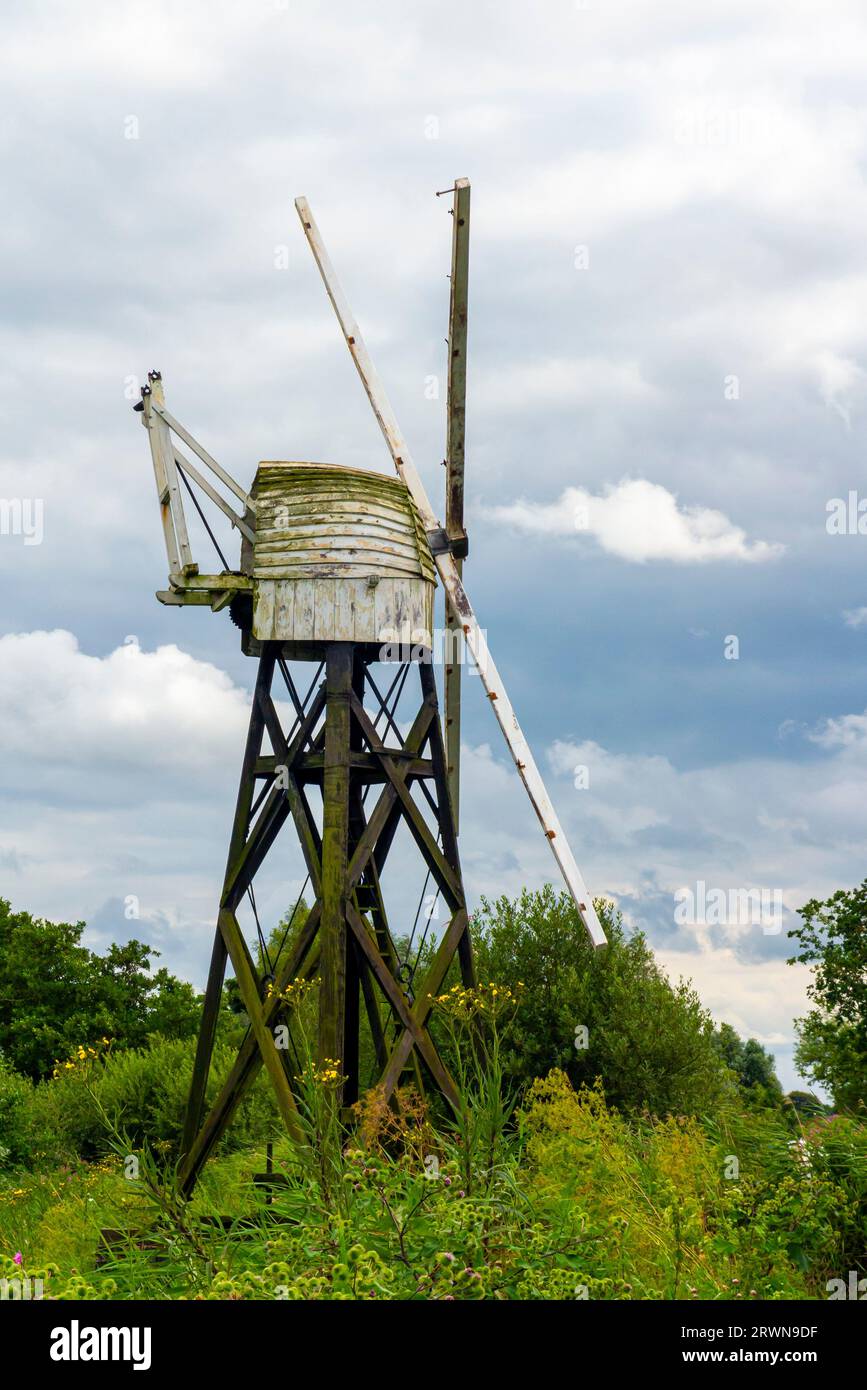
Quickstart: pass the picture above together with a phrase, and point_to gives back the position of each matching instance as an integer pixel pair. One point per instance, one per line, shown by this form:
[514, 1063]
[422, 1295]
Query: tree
[650, 1041]
[48, 997]
[751, 1063]
[56, 995]
[832, 1037]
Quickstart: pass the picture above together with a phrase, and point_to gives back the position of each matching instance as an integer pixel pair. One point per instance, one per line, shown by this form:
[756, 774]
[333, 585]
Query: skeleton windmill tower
[335, 562]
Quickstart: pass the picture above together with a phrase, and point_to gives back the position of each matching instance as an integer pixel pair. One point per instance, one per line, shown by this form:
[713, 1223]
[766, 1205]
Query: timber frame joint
[346, 939]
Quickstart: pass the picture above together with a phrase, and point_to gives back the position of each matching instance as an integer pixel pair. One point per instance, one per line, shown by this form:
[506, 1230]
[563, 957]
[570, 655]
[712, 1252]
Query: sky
[666, 404]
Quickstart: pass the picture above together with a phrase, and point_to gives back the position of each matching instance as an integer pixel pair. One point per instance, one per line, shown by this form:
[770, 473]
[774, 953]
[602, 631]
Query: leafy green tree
[729, 1046]
[48, 996]
[16, 1100]
[56, 995]
[650, 1041]
[751, 1063]
[832, 1038]
[142, 1001]
[758, 1071]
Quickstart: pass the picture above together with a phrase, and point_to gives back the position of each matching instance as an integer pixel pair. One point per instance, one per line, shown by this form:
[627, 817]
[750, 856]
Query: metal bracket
[441, 543]
[438, 540]
[461, 546]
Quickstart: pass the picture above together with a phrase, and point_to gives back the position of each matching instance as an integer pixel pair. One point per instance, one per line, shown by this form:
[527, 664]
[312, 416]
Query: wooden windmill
[334, 563]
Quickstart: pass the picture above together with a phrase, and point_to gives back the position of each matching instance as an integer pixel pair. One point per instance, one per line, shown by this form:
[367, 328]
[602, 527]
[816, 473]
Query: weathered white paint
[339, 556]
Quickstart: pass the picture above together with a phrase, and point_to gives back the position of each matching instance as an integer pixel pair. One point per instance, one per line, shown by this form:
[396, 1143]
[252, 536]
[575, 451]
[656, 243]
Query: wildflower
[18, 1257]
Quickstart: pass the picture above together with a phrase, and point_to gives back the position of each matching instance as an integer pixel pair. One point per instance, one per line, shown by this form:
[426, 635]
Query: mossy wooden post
[354, 966]
[219, 953]
[335, 852]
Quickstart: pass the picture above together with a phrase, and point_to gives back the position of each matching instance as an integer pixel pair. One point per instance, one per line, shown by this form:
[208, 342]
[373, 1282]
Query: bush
[665, 1212]
[143, 1094]
[16, 1118]
[651, 1042]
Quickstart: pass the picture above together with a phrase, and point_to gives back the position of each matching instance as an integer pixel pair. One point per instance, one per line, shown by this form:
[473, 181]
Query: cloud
[759, 1002]
[515, 387]
[645, 827]
[848, 731]
[121, 772]
[855, 617]
[70, 714]
[842, 383]
[713, 168]
[638, 521]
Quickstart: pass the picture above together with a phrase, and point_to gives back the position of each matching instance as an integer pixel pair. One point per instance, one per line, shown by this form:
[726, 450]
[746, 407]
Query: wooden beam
[217, 971]
[177, 542]
[448, 828]
[335, 845]
[228, 582]
[275, 809]
[249, 988]
[286, 759]
[384, 811]
[424, 1003]
[247, 1063]
[191, 443]
[414, 1030]
[365, 766]
[439, 866]
[456, 397]
[192, 472]
[455, 591]
[366, 370]
[456, 410]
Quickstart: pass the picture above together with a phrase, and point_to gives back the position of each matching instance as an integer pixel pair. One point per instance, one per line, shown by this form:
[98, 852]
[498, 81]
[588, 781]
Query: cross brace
[335, 745]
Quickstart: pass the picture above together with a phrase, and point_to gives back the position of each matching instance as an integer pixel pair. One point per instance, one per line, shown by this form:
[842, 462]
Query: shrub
[664, 1212]
[16, 1117]
[143, 1094]
[651, 1042]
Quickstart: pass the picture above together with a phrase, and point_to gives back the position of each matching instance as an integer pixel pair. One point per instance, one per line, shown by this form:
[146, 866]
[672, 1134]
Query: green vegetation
[832, 1043]
[611, 1142]
[54, 993]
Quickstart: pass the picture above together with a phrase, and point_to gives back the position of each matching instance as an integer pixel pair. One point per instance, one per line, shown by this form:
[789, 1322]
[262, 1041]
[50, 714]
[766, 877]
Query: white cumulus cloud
[639, 521]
